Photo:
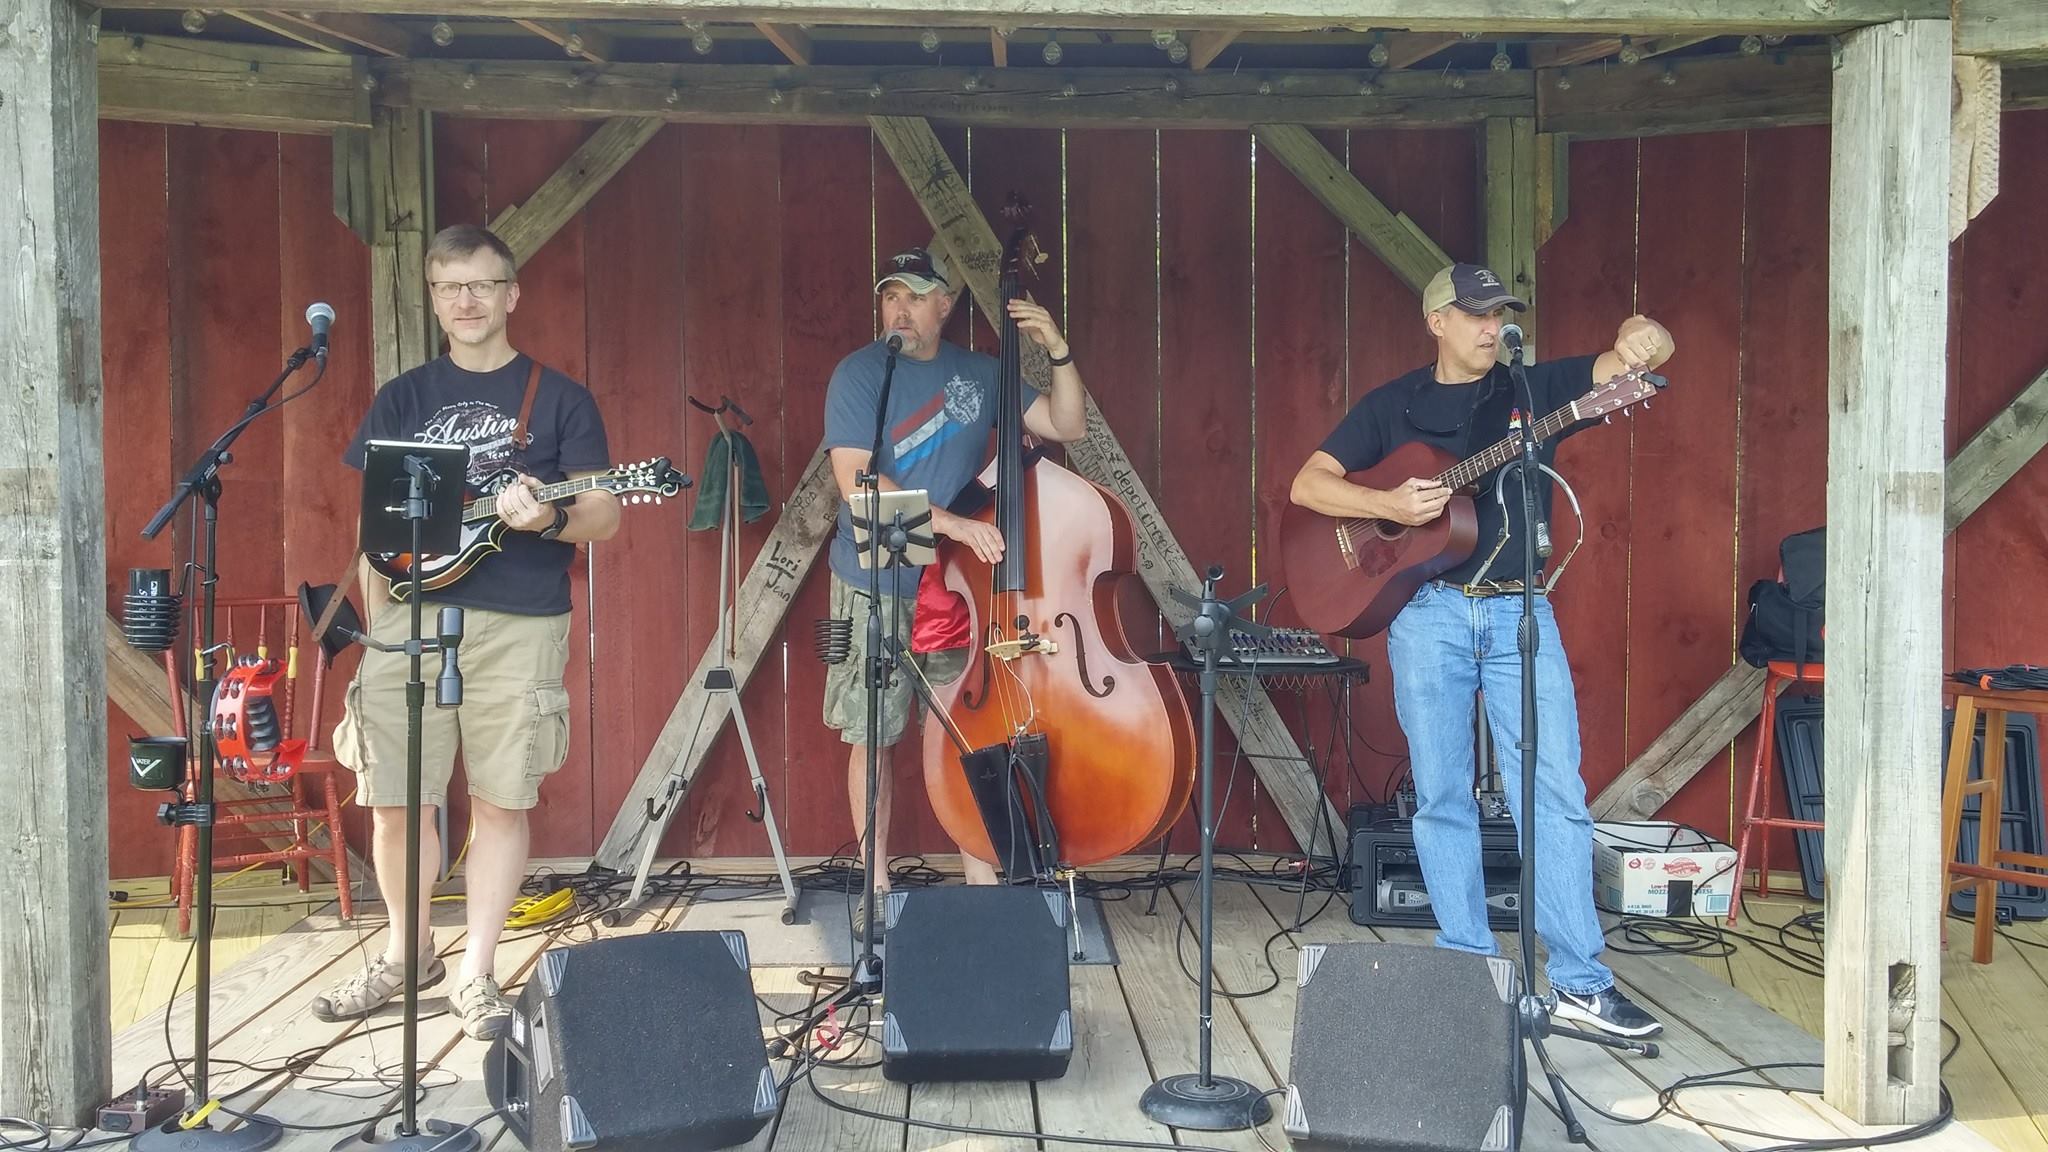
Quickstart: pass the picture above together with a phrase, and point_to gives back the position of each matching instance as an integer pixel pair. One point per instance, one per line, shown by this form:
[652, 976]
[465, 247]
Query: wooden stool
[1992, 862]
[1778, 674]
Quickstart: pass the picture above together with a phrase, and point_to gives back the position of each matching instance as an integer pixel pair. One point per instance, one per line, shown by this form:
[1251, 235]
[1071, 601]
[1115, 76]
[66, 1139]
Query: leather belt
[1489, 589]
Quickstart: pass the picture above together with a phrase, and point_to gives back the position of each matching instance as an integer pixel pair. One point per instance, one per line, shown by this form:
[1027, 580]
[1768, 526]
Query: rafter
[379, 36]
[1408, 51]
[794, 42]
[295, 30]
[1204, 47]
[574, 39]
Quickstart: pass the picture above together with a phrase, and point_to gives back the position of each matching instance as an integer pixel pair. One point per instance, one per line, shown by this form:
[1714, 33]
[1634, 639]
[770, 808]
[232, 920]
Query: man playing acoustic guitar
[513, 726]
[1457, 635]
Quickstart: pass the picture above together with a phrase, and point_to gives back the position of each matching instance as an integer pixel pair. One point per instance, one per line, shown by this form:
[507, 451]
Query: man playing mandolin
[513, 726]
[1457, 635]
[935, 437]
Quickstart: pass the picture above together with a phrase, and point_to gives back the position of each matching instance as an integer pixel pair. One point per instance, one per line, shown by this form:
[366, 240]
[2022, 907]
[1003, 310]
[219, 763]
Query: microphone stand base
[247, 1136]
[433, 1136]
[1225, 1104]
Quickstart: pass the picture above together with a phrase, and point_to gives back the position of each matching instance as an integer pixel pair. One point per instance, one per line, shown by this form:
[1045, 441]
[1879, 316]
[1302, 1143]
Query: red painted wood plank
[550, 326]
[1682, 567]
[1206, 369]
[1431, 177]
[828, 265]
[462, 160]
[1025, 162]
[1299, 383]
[899, 223]
[732, 324]
[134, 360]
[633, 260]
[1784, 424]
[1587, 277]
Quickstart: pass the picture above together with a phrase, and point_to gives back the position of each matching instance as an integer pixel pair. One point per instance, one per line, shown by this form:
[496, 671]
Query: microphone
[321, 317]
[149, 612]
[448, 688]
[1511, 335]
[895, 343]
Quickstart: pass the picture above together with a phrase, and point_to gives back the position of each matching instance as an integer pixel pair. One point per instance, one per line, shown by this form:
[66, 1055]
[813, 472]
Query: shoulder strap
[520, 436]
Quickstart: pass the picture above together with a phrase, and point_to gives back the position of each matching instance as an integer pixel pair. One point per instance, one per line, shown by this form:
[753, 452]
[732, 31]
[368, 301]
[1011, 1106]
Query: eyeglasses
[450, 289]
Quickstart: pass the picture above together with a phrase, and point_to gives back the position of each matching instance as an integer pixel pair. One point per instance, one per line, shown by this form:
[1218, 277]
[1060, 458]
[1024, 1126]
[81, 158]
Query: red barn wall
[1221, 317]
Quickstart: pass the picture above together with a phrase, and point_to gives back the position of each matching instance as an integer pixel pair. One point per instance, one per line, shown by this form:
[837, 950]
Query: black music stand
[413, 495]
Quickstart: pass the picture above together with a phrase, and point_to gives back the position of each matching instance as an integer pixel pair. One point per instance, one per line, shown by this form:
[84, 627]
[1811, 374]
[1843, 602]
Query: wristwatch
[561, 522]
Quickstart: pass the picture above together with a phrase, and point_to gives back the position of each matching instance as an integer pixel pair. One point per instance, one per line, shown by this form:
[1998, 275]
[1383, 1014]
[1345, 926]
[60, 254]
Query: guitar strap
[347, 579]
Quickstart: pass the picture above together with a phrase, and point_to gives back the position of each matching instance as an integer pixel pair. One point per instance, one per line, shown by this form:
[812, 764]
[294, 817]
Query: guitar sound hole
[1388, 530]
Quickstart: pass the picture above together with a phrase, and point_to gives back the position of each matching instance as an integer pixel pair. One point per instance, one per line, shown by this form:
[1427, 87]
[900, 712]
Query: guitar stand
[719, 681]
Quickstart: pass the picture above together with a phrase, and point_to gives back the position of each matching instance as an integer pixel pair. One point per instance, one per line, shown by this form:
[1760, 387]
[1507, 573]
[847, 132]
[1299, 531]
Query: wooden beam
[998, 46]
[402, 327]
[379, 36]
[1664, 45]
[139, 685]
[525, 227]
[1408, 51]
[1887, 389]
[222, 85]
[1267, 744]
[58, 1052]
[759, 606]
[1696, 94]
[2026, 88]
[1204, 47]
[577, 40]
[1033, 96]
[1508, 225]
[1566, 53]
[1553, 185]
[1392, 236]
[1640, 17]
[2009, 29]
[794, 42]
[295, 29]
[1705, 729]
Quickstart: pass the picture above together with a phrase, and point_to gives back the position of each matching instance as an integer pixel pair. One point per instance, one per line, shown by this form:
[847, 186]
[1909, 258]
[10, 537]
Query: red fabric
[940, 621]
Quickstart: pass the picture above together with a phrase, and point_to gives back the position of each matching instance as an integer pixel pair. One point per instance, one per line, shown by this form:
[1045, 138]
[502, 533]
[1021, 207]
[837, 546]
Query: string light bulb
[1052, 52]
[1162, 38]
[443, 33]
[1177, 52]
[930, 40]
[701, 42]
[1379, 55]
[1752, 45]
[1501, 60]
[194, 21]
[1630, 54]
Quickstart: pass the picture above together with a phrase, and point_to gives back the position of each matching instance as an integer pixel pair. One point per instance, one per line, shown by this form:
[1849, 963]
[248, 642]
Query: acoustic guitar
[1349, 576]
[649, 481]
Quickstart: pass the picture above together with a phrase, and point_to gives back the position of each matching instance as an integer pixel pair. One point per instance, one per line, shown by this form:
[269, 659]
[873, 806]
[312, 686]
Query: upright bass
[1073, 741]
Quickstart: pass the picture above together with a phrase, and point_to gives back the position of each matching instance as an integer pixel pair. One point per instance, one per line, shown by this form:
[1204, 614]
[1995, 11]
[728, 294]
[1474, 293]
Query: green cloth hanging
[712, 481]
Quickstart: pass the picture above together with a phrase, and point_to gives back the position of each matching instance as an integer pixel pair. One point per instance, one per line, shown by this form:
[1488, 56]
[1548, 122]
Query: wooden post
[1888, 330]
[1507, 198]
[400, 160]
[56, 1044]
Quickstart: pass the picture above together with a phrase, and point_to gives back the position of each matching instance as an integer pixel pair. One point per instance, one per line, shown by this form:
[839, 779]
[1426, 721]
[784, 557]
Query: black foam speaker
[1403, 1048]
[974, 985]
[633, 1044]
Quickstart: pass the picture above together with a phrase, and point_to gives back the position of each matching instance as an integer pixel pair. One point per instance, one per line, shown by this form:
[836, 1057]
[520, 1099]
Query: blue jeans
[1442, 648]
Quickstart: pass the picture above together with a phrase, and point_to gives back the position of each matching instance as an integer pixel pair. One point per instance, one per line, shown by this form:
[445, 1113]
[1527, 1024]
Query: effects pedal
[131, 1113]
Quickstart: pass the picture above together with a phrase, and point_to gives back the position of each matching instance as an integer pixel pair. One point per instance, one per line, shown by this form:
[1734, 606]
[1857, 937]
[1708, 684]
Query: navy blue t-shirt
[1464, 419]
[442, 403]
[936, 436]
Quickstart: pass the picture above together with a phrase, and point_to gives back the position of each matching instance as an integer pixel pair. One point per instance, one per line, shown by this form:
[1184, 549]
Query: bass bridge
[1027, 643]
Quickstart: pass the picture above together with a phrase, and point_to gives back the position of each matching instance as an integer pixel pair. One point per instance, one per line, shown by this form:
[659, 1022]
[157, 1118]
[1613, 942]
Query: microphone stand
[1532, 1017]
[411, 1134]
[203, 480]
[1204, 1101]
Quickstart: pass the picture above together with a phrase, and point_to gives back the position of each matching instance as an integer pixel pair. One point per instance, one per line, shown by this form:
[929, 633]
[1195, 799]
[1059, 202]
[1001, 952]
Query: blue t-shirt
[936, 436]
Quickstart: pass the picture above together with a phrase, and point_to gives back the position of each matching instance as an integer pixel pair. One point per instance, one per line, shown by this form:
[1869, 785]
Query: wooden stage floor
[1134, 1021]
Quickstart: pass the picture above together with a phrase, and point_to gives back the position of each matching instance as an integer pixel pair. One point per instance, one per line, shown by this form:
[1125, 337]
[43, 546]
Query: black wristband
[561, 522]
[1062, 361]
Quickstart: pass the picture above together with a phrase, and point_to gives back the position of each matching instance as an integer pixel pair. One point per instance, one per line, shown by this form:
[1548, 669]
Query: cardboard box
[1656, 868]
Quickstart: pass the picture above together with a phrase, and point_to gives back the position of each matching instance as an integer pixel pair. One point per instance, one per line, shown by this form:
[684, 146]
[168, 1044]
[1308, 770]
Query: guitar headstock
[1618, 394]
[649, 481]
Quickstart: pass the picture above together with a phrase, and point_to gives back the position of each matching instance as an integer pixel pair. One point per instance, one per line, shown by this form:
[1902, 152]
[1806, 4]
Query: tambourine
[246, 736]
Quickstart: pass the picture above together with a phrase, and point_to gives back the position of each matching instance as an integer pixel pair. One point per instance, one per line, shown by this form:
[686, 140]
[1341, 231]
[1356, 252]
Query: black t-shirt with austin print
[441, 403]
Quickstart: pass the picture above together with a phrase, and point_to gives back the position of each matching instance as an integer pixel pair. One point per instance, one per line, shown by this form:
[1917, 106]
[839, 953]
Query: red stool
[1778, 674]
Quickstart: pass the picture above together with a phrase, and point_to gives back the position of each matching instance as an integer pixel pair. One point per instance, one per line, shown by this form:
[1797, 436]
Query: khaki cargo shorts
[512, 727]
[846, 695]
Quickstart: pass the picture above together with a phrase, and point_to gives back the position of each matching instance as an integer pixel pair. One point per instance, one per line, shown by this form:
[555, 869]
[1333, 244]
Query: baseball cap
[918, 269]
[1472, 288]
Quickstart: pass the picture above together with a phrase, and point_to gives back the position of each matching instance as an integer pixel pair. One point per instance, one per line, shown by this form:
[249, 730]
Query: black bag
[1786, 617]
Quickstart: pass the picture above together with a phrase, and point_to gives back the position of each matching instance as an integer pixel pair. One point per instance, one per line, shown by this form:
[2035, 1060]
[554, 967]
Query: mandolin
[650, 481]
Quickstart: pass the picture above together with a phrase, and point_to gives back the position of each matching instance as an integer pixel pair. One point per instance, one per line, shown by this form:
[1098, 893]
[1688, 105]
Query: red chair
[295, 810]
[1778, 674]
